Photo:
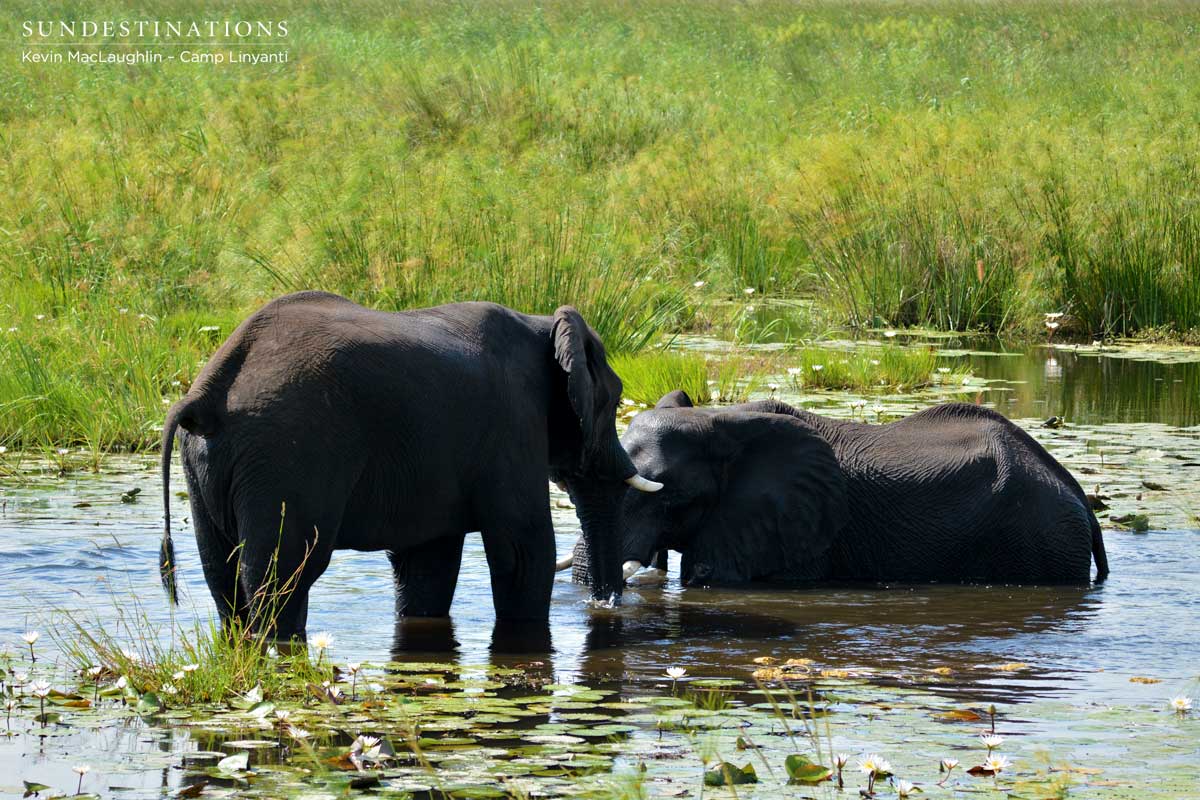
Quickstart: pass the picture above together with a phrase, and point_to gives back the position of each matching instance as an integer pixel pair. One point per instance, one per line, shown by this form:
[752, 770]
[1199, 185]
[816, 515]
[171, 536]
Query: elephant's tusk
[643, 484]
[630, 568]
[564, 563]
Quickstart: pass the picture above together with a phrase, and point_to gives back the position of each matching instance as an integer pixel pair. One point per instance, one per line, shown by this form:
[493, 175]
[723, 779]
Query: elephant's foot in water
[426, 577]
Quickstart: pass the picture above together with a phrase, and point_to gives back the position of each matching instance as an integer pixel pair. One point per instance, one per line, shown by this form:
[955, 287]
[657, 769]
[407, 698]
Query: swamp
[860, 207]
[657, 697]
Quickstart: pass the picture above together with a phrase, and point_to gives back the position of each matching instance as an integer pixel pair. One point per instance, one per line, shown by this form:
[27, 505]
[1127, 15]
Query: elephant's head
[586, 455]
[748, 495]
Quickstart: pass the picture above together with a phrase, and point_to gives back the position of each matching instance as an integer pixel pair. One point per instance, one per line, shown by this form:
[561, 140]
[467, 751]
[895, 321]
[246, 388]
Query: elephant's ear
[676, 399]
[781, 503]
[593, 391]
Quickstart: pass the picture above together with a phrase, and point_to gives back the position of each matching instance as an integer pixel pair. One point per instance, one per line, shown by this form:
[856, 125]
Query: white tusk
[564, 563]
[643, 484]
[629, 568]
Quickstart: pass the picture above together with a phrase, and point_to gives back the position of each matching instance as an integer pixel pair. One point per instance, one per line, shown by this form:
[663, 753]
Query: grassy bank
[950, 164]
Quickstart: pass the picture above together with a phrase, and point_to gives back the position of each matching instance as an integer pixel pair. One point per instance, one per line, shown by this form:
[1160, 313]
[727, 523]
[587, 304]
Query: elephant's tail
[193, 414]
[1098, 553]
[166, 551]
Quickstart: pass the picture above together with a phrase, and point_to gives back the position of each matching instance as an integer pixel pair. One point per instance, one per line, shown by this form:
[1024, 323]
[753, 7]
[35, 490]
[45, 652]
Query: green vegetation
[951, 164]
[888, 367]
[312, 725]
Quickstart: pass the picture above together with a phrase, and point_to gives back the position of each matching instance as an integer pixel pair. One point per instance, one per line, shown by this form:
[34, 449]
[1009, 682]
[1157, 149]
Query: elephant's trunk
[597, 558]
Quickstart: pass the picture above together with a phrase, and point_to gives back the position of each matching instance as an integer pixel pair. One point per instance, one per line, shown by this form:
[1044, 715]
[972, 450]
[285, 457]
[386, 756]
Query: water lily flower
[947, 766]
[890, 334]
[991, 741]
[178, 676]
[699, 284]
[794, 371]
[132, 655]
[30, 637]
[1181, 705]
[874, 765]
[169, 689]
[299, 734]
[121, 683]
[3, 449]
[996, 764]
[818, 367]
[352, 667]
[774, 387]
[841, 760]
[94, 671]
[62, 451]
[675, 673]
[282, 715]
[904, 788]
[878, 410]
[322, 641]
[748, 290]
[190, 667]
[81, 770]
[272, 653]
[874, 362]
[40, 689]
[944, 370]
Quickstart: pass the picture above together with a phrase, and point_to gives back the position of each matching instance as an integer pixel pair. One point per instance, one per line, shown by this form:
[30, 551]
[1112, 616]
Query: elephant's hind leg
[426, 577]
[284, 551]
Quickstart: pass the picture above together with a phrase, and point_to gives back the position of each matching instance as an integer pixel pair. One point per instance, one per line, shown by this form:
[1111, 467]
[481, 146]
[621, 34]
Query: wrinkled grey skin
[398, 432]
[762, 491]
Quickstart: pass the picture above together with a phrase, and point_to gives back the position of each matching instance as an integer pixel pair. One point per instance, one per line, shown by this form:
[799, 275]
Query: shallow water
[69, 544]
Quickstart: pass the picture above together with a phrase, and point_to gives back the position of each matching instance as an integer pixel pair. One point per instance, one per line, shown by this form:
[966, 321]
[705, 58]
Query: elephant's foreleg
[426, 577]
[521, 561]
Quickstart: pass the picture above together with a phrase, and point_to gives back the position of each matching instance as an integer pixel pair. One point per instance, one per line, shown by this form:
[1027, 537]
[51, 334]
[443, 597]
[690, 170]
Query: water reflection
[1091, 389]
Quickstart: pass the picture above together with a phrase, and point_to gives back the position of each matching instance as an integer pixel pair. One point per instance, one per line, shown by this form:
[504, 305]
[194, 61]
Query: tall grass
[1140, 268]
[885, 158]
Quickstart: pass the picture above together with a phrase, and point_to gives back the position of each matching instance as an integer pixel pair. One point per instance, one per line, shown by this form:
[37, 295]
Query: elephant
[765, 492]
[321, 425]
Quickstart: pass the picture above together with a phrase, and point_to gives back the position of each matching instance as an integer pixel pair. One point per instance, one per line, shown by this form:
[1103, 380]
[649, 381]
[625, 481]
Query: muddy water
[69, 544]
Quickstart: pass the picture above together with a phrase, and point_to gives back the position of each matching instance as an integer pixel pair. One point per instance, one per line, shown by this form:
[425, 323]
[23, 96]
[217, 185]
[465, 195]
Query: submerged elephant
[323, 425]
[763, 491]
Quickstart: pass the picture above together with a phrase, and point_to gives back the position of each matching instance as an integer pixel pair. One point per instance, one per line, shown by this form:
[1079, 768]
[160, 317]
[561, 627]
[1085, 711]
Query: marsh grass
[883, 158]
[888, 367]
[649, 375]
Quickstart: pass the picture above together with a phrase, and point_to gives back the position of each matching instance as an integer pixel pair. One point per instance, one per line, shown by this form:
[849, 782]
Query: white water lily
[878, 409]
[94, 672]
[353, 667]
[132, 655]
[255, 695]
[794, 371]
[699, 284]
[1181, 704]
[80, 770]
[322, 641]
[991, 741]
[282, 715]
[40, 689]
[190, 667]
[818, 367]
[169, 689]
[841, 760]
[890, 334]
[874, 765]
[178, 676]
[299, 734]
[996, 764]
[675, 673]
[30, 637]
[121, 683]
[944, 370]
[948, 764]
[904, 788]
[774, 387]
[748, 290]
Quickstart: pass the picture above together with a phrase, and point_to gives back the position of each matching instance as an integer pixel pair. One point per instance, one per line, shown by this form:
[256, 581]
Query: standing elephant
[763, 491]
[323, 425]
